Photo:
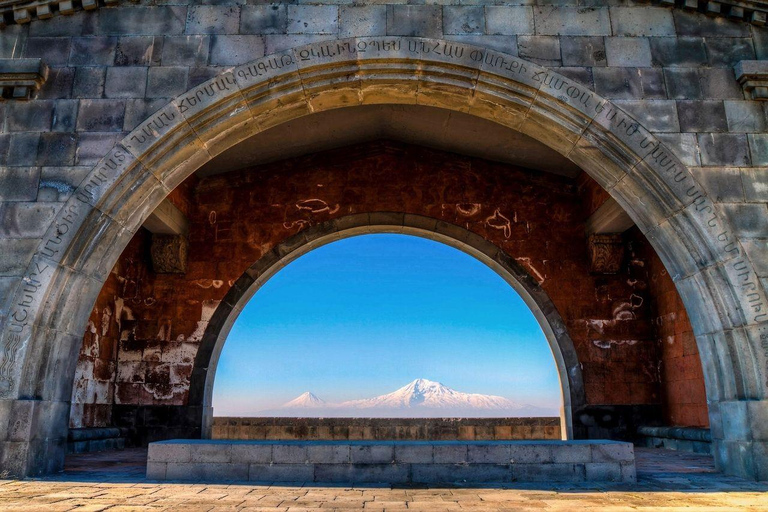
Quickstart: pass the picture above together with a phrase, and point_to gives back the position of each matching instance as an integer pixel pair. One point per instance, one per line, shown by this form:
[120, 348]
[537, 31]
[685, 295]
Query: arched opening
[380, 309]
[661, 196]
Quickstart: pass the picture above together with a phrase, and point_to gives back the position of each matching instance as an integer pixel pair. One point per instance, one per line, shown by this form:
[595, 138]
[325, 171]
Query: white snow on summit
[307, 399]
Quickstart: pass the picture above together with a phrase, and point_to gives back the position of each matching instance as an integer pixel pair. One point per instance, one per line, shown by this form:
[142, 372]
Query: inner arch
[367, 315]
[552, 325]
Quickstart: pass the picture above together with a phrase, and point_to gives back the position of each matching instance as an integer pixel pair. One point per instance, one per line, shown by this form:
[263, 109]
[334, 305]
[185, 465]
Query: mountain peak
[306, 399]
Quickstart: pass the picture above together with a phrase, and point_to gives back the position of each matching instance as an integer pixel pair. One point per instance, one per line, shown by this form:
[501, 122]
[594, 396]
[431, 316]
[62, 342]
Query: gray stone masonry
[391, 462]
[693, 81]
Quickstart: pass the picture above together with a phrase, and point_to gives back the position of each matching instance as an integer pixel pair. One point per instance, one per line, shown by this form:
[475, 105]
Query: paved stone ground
[668, 481]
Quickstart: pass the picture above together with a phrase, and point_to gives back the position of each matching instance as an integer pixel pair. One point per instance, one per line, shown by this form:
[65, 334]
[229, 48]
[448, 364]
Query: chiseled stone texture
[112, 67]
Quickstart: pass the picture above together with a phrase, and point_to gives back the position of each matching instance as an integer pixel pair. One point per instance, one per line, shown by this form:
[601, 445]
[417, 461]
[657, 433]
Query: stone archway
[722, 294]
[228, 310]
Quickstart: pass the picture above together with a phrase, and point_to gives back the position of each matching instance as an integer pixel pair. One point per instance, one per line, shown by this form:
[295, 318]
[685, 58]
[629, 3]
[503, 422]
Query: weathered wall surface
[110, 68]
[538, 219]
[414, 429]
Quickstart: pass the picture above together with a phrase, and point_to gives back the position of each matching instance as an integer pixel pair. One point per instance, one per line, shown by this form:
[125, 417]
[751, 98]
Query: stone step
[391, 462]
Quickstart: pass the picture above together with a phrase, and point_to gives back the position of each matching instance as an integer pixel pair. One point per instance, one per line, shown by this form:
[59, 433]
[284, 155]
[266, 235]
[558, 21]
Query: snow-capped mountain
[428, 394]
[421, 398]
[308, 400]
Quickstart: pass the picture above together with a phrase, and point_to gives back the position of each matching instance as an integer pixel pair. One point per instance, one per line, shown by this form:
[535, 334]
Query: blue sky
[366, 315]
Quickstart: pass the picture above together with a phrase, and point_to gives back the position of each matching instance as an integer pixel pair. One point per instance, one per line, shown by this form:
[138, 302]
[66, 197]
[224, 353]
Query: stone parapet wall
[398, 462]
[407, 429]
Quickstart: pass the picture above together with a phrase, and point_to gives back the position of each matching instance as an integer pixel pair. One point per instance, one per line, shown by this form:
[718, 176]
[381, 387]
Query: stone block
[263, 19]
[571, 454]
[758, 148]
[18, 254]
[65, 116]
[89, 82]
[101, 115]
[93, 146]
[548, 472]
[29, 116]
[745, 116]
[755, 181]
[728, 51]
[748, 221]
[655, 115]
[530, 454]
[488, 453]
[543, 50]
[683, 84]
[686, 52]
[628, 51]
[757, 252]
[460, 473]
[289, 454]
[207, 471]
[728, 149]
[415, 20]
[185, 51]
[723, 184]
[19, 183]
[139, 51]
[583, 51]
[281, 472]
[251, 453]
[603, 472]
[328, 454]
[54, 51]
[92, 51]
[126, 82]
[642, 21]
[142, 20]
[156, 470]
[509, 20]
[22, 149]
[450, 454]
[694, 24]
[169, 255]
[235, 50]
[210, 452]
[170, 452]
[372, 454]
[684, 146]
[57, 149]
[463, 19]
[313, 19]
[213, 19]
[571, 21]
[58, 85]
[719, 83]
[362, 20]
[163, 82]
[362, 473]
[415, 453]
[612, 452]
[702, 116]
[629, 83]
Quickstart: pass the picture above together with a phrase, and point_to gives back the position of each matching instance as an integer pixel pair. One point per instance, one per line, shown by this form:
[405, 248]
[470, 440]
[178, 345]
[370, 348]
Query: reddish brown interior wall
[235, 218]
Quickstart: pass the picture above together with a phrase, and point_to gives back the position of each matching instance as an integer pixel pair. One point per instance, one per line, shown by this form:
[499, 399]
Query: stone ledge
[753, 77]
[20, 79]
[393, 462]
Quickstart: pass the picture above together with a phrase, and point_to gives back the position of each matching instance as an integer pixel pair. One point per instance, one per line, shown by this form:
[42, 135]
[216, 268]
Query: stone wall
[406, 429]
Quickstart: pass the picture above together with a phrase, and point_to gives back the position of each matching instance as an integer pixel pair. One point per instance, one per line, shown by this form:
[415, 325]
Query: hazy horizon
[363, 316]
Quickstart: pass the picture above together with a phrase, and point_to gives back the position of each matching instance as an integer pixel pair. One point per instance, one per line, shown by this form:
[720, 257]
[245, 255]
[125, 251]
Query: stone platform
[392, 462]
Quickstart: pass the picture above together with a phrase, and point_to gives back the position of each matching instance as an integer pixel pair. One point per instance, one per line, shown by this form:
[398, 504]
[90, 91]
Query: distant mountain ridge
[417, 399]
